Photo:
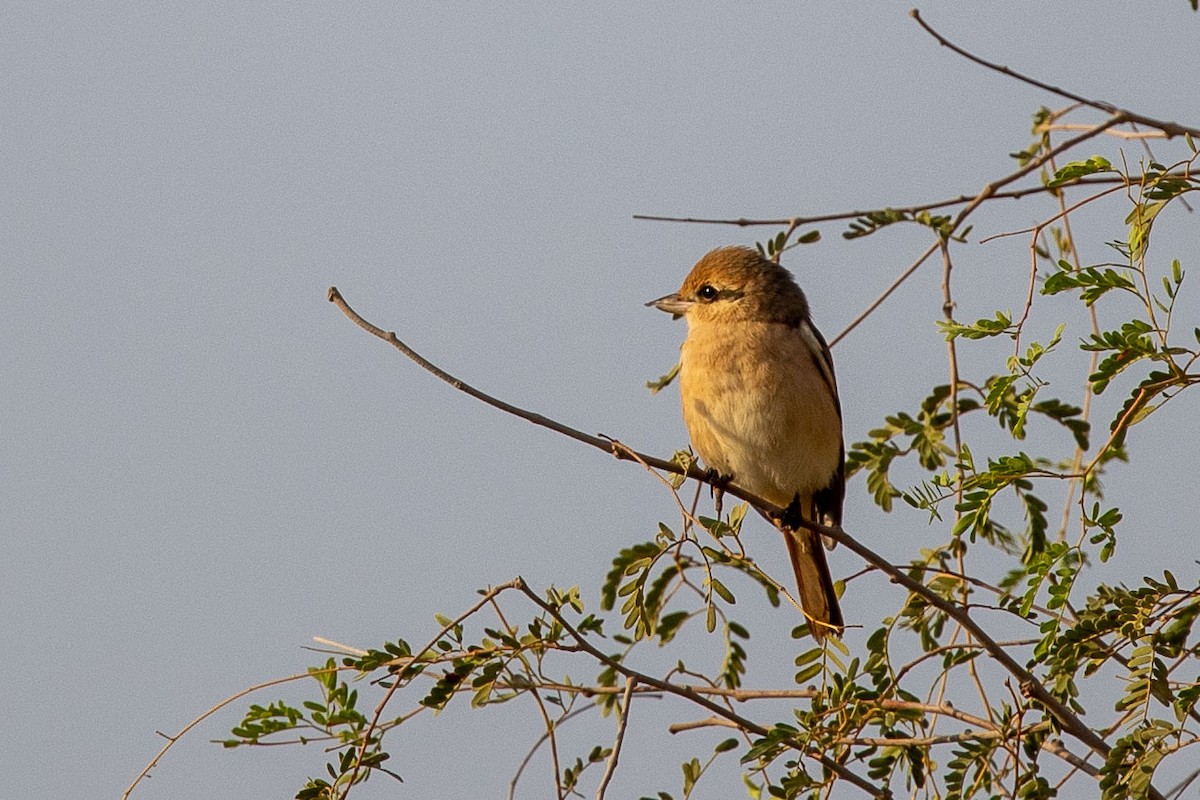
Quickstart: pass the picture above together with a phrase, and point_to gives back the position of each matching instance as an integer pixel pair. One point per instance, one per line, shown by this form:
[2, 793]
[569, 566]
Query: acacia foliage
[1030, 680]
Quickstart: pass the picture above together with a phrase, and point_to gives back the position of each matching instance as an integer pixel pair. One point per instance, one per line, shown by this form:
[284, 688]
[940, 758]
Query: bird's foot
[717, 482]
[793, 515]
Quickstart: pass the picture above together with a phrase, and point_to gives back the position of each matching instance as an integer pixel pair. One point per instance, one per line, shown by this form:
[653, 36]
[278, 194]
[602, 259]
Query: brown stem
[1171, 129]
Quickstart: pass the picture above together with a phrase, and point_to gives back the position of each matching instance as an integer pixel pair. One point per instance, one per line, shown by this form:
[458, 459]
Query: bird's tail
[817, 596]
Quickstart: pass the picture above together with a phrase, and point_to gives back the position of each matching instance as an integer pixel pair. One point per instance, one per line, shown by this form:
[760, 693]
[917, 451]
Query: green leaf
[808, 672]
[721, 590]
[1078, 169]
[1093, 282]
[980, 329]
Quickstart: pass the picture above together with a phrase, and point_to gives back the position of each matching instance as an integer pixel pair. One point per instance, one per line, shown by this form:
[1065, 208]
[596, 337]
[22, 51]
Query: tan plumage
[760, 402]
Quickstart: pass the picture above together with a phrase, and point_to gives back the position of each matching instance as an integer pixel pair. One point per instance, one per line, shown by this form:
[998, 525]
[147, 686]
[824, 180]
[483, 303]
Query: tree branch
[1171, 129]
[696, 698]
[171, 740]
[1014, 194]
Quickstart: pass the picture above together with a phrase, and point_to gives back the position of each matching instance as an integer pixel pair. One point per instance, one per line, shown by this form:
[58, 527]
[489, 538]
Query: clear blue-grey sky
[204, 464]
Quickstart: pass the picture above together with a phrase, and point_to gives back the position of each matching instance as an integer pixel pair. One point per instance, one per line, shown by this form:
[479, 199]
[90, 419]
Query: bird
[760, 403]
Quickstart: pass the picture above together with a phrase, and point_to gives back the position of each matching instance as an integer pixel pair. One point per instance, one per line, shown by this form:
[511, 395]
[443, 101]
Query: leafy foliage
[930, 703]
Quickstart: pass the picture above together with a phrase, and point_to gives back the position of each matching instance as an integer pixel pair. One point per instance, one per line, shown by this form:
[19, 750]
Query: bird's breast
[758, 407]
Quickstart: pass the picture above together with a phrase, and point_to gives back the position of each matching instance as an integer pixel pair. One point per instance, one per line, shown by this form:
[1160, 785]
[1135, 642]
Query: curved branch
[171, 740]
[1171, 129]
[614, 448]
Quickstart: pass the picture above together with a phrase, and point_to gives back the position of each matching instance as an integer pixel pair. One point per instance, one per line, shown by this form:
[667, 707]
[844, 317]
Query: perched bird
[761, 405]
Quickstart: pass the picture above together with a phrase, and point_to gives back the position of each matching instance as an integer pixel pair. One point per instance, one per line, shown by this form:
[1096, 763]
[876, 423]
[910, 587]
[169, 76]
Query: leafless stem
[878, 301]
[622, 721]
[1011, 194]
[986, 193]
[1169, 128]
[512, 785]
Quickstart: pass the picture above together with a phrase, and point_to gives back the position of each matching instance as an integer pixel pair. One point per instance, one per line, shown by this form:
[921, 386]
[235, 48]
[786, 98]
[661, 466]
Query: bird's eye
[707, 293]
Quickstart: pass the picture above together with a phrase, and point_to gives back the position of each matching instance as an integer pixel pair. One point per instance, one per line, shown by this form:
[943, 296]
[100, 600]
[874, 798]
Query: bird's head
[733, 284]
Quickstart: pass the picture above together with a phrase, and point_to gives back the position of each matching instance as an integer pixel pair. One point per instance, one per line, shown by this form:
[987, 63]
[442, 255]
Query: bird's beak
[673, 304]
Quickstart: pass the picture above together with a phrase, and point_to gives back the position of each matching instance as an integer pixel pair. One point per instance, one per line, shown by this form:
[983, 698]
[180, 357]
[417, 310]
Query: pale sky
[205, 465]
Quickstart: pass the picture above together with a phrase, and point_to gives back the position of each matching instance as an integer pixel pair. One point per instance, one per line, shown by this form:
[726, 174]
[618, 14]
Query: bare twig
[622, 721]
[338, 647]
[893, 286]
[986, 193]
[599, 442]
[1012, 194]
[1079, 126]
[512, 785]
[1171, 129]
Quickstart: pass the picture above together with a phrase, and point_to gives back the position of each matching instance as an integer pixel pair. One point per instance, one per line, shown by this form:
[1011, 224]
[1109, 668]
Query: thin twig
[171, 740]
[696, 698]
[1079, 126]
[512, 785]
[986, 193]
[599, 442]
[916, 208]
[1171, 129]
[878, 301]
[387, 697]
[622, 721]
[338, 647]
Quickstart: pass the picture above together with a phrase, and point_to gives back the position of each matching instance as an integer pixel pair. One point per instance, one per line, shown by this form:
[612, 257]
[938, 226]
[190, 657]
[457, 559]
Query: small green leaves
[873, 221]
[691, 773]
[572, 773]
[721, 590]
[980, 329]
[811, 237]
[1125, 346]
[1078, 169]
[810, 663]
[1092, 282]
[775, 246]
